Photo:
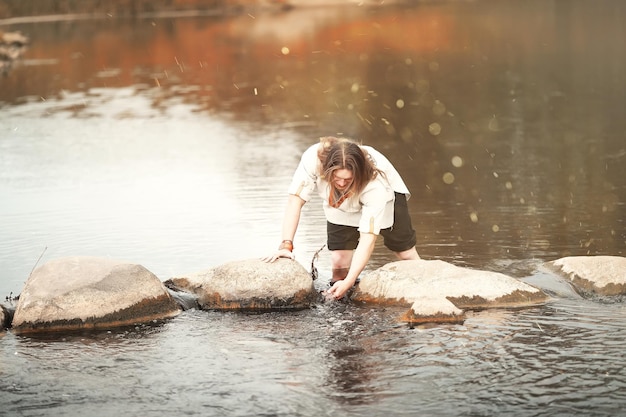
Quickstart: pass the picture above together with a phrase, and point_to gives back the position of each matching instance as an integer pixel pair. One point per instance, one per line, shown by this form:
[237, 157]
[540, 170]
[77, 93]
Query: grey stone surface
[438, 291]
[88, 292]
[601, 275]
[250, 284]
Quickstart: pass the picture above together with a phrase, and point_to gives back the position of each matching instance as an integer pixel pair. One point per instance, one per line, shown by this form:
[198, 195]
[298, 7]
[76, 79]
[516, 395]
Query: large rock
[250, 285]
[90, 293]
[600, 275]
[438, 291]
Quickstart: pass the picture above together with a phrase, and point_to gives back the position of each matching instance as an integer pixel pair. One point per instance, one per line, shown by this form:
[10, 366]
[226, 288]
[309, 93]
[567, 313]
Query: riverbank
[29, 10]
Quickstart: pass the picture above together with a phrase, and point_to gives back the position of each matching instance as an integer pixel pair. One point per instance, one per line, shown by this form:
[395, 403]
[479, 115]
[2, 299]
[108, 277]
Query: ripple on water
[340, 356]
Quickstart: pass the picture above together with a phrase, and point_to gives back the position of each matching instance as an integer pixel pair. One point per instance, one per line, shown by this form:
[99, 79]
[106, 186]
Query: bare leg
[339, 274]
[408, 255]
[340, 260]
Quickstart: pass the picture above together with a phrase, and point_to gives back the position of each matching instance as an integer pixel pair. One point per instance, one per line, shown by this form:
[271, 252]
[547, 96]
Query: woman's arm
[290, 225]
[360, 258]
[292, 216]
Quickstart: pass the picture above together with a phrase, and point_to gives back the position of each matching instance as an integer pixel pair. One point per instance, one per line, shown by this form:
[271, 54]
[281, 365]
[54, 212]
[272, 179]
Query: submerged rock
[250, 285]
[601, 275]
[439, 291]
[90, 293]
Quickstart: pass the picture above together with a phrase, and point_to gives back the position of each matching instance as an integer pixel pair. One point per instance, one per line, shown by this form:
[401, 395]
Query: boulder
[250, 284]
[7, 310]
[90, 293]
[5, 321]
[438, 291]
[596, 275]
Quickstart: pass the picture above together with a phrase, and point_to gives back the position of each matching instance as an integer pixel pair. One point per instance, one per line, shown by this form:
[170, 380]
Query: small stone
[601, 275]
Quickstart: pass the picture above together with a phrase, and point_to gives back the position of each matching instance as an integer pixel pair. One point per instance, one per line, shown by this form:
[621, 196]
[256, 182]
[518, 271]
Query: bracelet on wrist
[286, 244]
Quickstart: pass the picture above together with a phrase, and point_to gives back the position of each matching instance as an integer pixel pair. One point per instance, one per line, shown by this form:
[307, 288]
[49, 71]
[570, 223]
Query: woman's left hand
[340, 289]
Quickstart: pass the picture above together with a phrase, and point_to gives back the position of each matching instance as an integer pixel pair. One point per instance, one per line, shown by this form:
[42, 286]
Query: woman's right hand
[281, 253]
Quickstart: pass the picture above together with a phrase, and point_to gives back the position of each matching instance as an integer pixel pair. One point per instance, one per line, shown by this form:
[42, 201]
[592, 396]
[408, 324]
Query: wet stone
[593, 275]
[78, 293]
[438, 291]
[4, 318]
[250, 284]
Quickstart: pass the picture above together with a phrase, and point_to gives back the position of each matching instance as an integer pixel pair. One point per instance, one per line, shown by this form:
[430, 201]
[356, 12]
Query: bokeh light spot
[434, 129]
[439, 109]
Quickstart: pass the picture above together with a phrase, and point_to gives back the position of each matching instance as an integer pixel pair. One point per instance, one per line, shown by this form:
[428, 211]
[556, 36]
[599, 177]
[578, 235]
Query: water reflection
[139, 189]
[509, 140]
[564, 357]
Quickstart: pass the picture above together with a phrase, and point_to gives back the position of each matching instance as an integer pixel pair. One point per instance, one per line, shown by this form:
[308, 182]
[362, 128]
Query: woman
[363, 196]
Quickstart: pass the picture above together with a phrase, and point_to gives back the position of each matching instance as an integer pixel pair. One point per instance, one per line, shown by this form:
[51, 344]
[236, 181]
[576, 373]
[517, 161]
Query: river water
[170, 141]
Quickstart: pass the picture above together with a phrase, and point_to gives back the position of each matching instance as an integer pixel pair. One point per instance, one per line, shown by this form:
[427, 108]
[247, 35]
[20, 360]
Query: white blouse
[370, 211]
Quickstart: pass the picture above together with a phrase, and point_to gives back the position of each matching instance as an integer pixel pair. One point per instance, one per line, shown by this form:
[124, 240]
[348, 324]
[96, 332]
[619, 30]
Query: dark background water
[170, 141]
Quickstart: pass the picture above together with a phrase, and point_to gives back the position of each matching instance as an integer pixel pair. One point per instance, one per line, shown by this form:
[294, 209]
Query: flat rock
[250, 284]
[600, 275]
[438, 291]
[90, 293]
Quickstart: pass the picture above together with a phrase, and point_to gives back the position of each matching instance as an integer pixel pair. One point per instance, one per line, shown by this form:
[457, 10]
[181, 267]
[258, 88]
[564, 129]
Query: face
[342, 178]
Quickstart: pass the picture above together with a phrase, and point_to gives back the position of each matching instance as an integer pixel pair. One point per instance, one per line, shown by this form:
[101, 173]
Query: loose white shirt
[369, 211]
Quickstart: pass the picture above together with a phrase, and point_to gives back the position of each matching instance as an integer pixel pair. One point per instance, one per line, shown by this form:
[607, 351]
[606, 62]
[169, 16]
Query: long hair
[342, 153]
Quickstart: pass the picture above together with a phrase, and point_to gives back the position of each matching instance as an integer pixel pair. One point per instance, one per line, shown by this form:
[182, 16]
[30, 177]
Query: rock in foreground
[600, 275]
[438, 291]
[90, 293]
[250, 285]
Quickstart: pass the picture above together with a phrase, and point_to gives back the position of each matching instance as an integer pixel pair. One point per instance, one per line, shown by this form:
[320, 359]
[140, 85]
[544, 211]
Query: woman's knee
[341, 259]
[407, 255]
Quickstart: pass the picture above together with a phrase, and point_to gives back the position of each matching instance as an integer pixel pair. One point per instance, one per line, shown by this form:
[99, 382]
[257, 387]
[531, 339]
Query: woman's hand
[340, 289]
[281, 253]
